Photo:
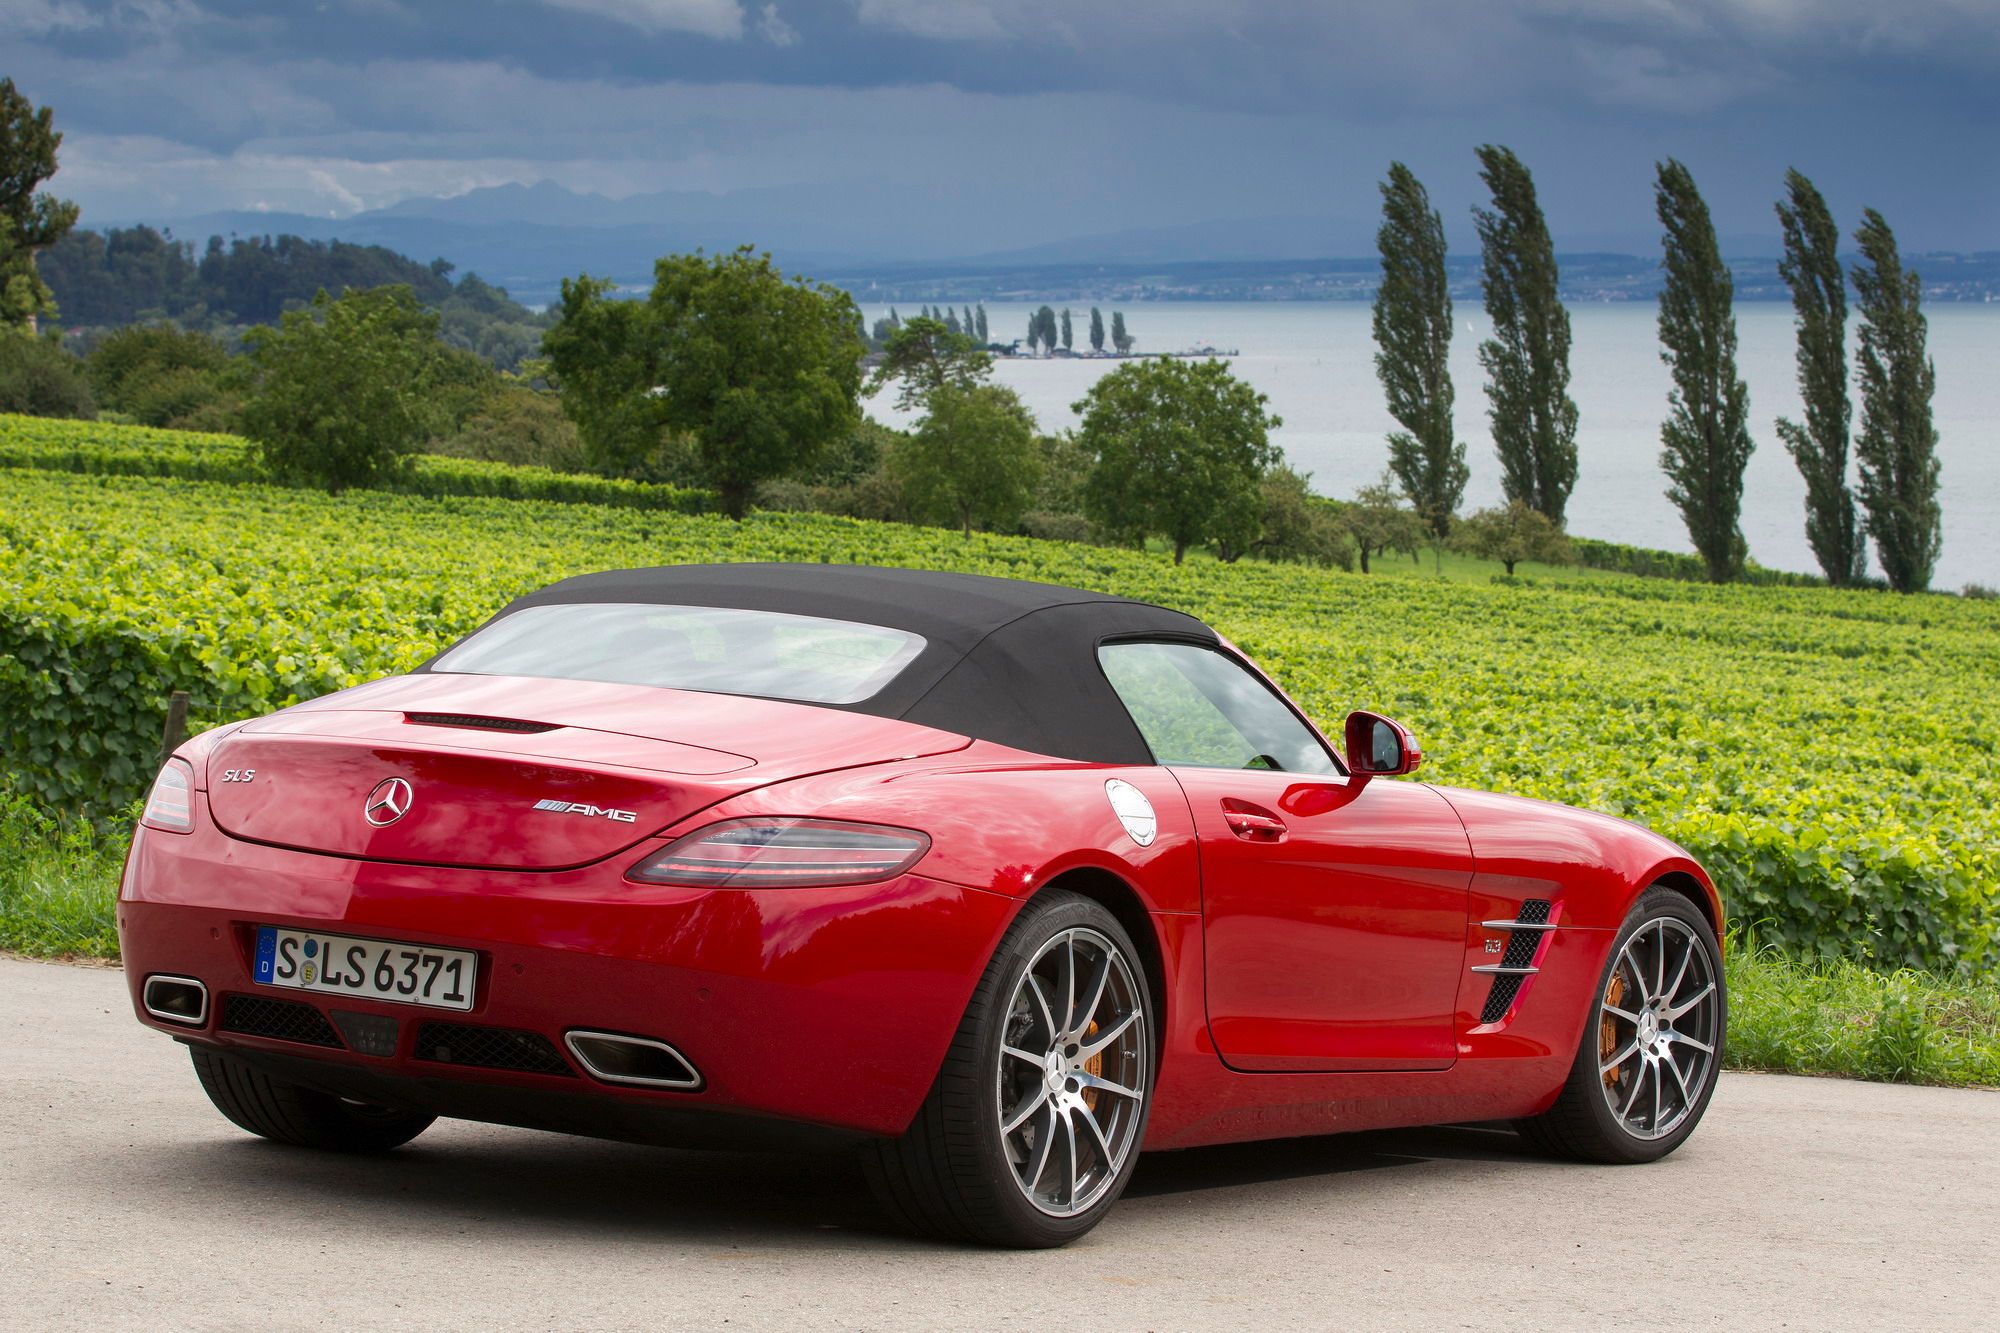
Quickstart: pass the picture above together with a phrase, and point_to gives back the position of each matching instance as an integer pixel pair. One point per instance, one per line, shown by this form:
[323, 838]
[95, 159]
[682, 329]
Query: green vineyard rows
[1833, 757]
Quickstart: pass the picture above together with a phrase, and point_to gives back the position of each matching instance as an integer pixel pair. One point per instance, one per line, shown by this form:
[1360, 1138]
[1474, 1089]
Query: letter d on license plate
[372, 969]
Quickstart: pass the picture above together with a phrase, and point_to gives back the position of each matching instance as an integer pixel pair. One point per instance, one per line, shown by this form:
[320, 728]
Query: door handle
[1253, 826]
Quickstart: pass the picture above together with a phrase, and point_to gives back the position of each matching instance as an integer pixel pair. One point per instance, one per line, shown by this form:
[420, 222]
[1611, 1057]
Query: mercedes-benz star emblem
[389, 802]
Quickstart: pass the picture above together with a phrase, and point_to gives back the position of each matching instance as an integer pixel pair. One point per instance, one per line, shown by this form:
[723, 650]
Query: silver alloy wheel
[1071, 1076]
[1659, 1023]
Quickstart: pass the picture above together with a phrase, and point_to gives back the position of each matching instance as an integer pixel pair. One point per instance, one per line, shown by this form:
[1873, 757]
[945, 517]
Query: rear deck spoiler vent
[480, 723]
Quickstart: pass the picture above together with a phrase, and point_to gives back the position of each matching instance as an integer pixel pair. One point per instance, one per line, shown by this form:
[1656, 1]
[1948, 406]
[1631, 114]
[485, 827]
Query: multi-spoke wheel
[1648, 1060]
[1072, 1072]
[1036, 1119]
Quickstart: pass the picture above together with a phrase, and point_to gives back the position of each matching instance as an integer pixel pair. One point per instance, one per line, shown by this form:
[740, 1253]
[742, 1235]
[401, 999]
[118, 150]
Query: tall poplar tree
[1811, 266]
[1898, 441]
[1527, 358]
[1413, 342]
[1705, 441]
[1096, 329]
[1068, 332]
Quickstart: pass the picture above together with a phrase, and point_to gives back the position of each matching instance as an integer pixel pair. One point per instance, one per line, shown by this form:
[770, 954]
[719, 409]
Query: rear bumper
[805, 1009]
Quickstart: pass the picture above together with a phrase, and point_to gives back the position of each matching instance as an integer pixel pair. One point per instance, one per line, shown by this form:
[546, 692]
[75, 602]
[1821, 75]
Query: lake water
[1315, 361]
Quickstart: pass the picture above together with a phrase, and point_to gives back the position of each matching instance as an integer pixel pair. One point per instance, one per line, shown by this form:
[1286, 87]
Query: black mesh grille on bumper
[280, 1020]
[490, 1048]
[1521, 947]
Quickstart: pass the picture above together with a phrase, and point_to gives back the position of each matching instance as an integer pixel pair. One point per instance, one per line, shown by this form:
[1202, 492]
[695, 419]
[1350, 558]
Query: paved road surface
[125, 1201]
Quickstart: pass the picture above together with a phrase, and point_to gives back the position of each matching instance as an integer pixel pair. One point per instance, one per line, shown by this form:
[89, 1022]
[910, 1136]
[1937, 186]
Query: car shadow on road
[520, 1183]
[1240, 1165]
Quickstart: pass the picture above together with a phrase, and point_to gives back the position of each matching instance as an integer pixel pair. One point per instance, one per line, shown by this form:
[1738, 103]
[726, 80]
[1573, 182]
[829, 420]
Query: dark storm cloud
[1063, 116]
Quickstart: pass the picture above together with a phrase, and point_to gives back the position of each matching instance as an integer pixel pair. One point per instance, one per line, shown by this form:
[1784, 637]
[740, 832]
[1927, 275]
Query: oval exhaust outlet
[617, 1057]
[181, 1000]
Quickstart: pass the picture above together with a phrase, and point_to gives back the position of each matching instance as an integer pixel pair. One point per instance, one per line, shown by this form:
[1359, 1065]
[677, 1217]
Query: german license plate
[372, 969]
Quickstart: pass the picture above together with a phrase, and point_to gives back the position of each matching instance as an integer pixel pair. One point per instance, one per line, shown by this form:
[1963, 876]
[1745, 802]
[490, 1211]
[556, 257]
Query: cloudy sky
[979, 122]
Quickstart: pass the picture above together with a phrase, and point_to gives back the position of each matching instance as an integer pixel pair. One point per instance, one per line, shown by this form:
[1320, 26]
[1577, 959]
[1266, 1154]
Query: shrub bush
[38, 378]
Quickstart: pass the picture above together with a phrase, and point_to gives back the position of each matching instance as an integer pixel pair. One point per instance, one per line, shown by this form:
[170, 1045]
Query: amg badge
[575, 808]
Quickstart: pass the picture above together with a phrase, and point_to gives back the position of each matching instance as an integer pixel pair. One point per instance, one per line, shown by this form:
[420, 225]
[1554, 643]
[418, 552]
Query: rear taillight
[170, 805]
[767, 853]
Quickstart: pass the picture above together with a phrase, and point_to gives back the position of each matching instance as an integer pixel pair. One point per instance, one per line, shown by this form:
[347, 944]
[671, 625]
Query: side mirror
[1380, 747]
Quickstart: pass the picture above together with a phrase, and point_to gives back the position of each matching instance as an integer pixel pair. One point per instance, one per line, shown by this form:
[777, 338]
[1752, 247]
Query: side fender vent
[1517, 964]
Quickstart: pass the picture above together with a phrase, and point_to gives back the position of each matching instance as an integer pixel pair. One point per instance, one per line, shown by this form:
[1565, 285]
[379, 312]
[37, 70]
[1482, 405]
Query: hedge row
[1643, 562]
[101, 449]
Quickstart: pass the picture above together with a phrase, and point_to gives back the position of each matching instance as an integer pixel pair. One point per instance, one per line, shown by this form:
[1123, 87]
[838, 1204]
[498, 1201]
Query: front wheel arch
[1119, 898]
[1704, 898]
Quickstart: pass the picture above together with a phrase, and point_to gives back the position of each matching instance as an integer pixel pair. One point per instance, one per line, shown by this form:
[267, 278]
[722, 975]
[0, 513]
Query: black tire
[949, 1175]
[302, 1117]
[1582, 1125]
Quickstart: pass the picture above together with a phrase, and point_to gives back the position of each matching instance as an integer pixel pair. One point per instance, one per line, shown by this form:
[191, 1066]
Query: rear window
[719, 649]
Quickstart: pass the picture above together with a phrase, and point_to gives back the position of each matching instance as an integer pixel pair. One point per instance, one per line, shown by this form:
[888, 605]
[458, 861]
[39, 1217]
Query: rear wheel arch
[1117, 896]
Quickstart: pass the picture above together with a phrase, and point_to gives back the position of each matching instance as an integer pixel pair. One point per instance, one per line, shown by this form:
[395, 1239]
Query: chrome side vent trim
[1530, 922]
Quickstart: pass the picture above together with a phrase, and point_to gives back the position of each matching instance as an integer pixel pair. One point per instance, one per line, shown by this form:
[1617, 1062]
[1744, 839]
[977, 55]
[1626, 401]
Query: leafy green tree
[759, 372]
[1120, 339]
[519, 425]
[1705, 440]
[1067, 463]
[1510, 534]
[1298, 525]
[984, 337]
[341, 392]
[951, 321]
[972, 458]
[1068, 333]
[1034, 331]
[756, 372]
[1413, 350]
[969, 326]
[1180, 448]
[1096, 329]
[603, 361]
[1898, 441]
[1527, 358]
[163, 376]
[925, 357]
[29, 221]
[39, 379]
[1379, 520]
[1811, 266]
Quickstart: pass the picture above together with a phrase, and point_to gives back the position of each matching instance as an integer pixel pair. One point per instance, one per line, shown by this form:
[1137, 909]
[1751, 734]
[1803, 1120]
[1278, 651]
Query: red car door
[1334, 907]
[1334, 913]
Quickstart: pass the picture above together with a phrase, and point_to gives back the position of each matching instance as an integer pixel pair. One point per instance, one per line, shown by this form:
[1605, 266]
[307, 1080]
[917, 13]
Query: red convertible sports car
[998, 882]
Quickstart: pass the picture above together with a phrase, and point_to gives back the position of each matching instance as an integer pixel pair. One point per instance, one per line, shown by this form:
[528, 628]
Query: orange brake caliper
[1607, 1029]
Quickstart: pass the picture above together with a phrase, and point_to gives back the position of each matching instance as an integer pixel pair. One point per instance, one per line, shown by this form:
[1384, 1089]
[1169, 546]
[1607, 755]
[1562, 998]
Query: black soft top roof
[1004, 660]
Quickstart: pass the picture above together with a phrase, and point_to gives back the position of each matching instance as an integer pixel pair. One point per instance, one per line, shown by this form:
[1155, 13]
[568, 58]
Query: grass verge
[1837, 1017]
[58, 887]
[58, 890]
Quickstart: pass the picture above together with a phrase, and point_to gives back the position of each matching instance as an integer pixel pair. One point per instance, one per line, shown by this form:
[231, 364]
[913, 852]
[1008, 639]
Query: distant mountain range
[528, 237]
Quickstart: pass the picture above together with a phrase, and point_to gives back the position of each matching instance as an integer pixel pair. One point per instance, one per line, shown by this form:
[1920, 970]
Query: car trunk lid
[518, 774]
